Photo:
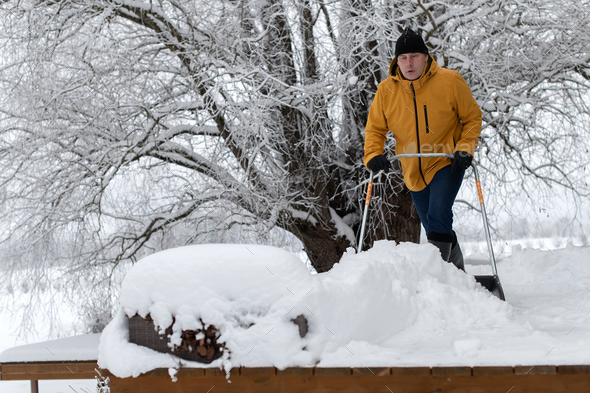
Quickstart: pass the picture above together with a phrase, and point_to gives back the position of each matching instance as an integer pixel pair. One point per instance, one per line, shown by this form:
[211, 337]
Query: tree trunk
[323, 246]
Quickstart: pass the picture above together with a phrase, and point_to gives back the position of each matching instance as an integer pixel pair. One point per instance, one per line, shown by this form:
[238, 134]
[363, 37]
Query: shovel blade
[492, 284]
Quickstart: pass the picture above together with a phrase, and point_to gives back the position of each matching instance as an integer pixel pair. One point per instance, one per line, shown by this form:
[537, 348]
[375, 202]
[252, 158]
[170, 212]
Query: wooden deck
[520, 379]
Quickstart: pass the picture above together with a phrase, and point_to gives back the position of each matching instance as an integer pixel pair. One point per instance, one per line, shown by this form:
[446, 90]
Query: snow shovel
[491, 283]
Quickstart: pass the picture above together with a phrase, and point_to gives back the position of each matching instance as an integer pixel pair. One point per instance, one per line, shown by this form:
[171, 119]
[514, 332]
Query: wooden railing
[35, 372]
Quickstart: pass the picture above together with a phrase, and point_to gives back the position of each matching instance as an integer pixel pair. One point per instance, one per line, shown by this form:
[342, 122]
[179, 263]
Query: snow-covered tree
[131, 126]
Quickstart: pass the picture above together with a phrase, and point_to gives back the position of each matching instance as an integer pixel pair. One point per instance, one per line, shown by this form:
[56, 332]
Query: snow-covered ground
[389, 306]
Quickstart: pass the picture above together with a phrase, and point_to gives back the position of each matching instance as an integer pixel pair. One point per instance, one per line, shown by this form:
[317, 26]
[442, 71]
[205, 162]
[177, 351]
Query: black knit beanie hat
[410, 42]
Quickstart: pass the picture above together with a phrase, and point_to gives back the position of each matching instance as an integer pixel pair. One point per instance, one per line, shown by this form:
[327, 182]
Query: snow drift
[393, 305]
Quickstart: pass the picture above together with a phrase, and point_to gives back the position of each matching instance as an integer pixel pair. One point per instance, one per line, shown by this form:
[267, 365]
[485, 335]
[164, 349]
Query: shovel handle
[396, 157]
[367, 201]
[484, 217]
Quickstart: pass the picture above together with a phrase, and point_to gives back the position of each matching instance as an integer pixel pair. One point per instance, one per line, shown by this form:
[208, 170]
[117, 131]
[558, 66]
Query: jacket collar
[431, 68]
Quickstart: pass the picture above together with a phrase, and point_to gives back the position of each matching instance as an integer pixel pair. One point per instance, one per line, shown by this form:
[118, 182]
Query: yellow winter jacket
[434, 114]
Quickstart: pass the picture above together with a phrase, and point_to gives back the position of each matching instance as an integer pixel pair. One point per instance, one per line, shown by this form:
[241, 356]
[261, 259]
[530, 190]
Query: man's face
[412, 64]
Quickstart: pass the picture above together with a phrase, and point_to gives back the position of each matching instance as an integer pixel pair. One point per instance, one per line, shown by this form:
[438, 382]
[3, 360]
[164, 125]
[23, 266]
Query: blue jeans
[435, 203]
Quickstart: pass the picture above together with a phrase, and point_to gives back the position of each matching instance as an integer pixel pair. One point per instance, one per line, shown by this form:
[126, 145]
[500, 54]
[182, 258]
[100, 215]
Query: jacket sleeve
[469, 114]
[376, 129]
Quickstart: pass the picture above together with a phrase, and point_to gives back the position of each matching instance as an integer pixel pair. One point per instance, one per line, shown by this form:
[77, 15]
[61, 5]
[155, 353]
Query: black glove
[378, 163]
[461, 160]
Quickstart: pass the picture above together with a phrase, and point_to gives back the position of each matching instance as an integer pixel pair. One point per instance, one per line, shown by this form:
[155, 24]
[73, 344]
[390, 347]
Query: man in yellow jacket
[428, 109]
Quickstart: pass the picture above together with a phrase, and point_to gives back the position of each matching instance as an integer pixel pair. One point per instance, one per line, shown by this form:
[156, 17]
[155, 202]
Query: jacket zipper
[426, 117]
[418, 132]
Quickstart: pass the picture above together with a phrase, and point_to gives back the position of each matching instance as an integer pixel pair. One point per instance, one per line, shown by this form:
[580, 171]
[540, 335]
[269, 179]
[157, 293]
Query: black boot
[456, 257]
[444, 247]
[443, 241]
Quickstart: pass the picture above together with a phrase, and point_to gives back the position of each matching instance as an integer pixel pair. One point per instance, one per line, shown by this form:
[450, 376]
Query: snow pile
[393, 305]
